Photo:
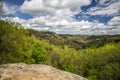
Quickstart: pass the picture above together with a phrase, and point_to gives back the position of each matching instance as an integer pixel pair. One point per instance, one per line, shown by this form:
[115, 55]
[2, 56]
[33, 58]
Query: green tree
[40, 55]
[15, 44]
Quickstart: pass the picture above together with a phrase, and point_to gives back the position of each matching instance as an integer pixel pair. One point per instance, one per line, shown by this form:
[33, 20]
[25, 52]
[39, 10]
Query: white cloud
[71, 27]
[72, 4]
[106, 2]
[111, 8]
[9, 9]
[56, 16]
[50, 7]
[115, 23]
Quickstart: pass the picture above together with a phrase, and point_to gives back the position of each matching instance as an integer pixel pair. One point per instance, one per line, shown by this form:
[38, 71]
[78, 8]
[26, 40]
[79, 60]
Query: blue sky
[66, 16]
[103, 19]
[14, 2]
[17, 13]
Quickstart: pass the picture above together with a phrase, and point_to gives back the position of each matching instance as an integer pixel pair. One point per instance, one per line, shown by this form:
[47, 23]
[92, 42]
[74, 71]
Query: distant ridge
[75, 41]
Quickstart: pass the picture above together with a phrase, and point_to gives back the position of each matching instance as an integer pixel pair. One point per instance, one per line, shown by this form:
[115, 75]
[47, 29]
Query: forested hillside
[75, 41]
[94, 57]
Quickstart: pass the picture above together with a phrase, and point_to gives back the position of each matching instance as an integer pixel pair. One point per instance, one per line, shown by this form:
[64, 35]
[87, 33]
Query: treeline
[95, 63]
[75, 41]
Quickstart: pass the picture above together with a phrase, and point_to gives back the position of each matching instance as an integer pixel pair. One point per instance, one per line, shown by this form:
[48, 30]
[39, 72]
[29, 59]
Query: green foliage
[97, 59]
[12, 42]
[75, 41]
[103, 63]
[40, 55]
[17, 46]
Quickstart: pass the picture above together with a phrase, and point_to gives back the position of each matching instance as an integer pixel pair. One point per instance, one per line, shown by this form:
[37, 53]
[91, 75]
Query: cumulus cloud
[106, 2]
[71, 27]
[114, 23]
[50, 7]
[57, 16]
[9, 9]
[106, 7]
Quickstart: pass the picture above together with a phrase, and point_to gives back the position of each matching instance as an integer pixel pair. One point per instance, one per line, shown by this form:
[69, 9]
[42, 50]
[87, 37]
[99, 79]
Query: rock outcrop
[23, 71]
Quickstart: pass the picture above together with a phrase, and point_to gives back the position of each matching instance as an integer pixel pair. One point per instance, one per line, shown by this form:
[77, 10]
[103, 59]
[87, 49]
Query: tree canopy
[95, 63]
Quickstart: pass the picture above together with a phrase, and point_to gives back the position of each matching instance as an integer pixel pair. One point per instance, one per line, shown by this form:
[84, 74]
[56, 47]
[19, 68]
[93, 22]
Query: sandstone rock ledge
[23, 71]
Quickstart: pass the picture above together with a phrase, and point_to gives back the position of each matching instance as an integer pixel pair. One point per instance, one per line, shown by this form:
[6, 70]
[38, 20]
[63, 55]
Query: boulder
[21, 71]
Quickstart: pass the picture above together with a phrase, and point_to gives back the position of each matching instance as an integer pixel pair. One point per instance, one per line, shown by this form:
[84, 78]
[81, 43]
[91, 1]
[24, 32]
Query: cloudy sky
[90, 17]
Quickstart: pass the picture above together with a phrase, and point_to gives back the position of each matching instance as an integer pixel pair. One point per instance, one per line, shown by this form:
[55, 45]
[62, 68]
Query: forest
[93, 57]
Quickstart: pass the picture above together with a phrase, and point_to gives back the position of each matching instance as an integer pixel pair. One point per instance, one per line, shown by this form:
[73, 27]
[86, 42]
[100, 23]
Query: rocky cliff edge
[23, 71]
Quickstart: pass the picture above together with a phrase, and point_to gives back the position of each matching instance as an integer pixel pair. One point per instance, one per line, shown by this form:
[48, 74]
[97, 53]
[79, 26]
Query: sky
[87, 17]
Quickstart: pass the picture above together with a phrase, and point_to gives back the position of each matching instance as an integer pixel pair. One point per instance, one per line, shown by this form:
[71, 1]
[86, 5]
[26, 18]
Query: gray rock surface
[23, 71]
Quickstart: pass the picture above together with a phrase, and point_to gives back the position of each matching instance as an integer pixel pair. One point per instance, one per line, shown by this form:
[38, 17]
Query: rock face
[34, 72]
